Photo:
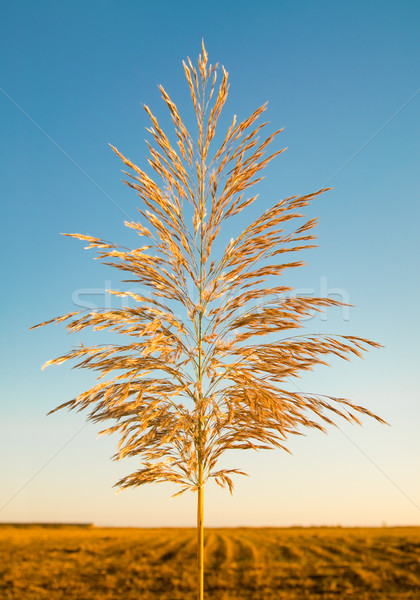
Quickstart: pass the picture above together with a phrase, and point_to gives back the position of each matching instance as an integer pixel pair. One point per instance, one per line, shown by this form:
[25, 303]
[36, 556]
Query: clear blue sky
[341, 78]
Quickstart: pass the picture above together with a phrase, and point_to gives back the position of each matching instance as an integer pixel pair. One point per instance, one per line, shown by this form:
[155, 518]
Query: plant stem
[200, 484]
[200, 539]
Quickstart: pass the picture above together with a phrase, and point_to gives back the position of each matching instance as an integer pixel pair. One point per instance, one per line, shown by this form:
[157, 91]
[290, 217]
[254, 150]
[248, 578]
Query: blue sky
[343, 80]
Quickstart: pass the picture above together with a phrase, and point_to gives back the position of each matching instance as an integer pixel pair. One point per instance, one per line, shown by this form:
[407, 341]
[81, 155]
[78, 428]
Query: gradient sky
[343, 79]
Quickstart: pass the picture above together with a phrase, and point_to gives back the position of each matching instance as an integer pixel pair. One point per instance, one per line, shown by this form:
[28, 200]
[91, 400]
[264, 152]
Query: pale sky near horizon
[343, 80]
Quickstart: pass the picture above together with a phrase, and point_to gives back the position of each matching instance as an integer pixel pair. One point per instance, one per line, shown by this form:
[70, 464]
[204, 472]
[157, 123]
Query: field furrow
[75, 563]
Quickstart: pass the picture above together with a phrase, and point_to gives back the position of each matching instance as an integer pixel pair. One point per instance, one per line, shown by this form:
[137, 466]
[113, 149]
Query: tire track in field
[166, 567]
[287, 549]
[137, 550]
[247, 557]
[402, 555]
[222, 551]
[390, 550]
[339, 550]
[168, 550]
[287, 553]
[246, 548]
[304, 565]
[219, 565]
[188, 551]
[143, 553]
[211, 543]
[371, 565]
[338, 568]
[327, 553]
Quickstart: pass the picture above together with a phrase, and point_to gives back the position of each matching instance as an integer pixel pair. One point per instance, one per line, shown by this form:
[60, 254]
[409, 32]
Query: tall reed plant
[209, 345]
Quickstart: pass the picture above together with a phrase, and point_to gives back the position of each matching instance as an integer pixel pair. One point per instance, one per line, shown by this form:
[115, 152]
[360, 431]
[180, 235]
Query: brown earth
[86, 563]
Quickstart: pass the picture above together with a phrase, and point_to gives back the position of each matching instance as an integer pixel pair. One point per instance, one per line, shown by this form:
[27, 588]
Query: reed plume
[210, 345]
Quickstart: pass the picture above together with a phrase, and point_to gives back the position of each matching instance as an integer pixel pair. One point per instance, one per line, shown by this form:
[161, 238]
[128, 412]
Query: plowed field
[72, 563]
